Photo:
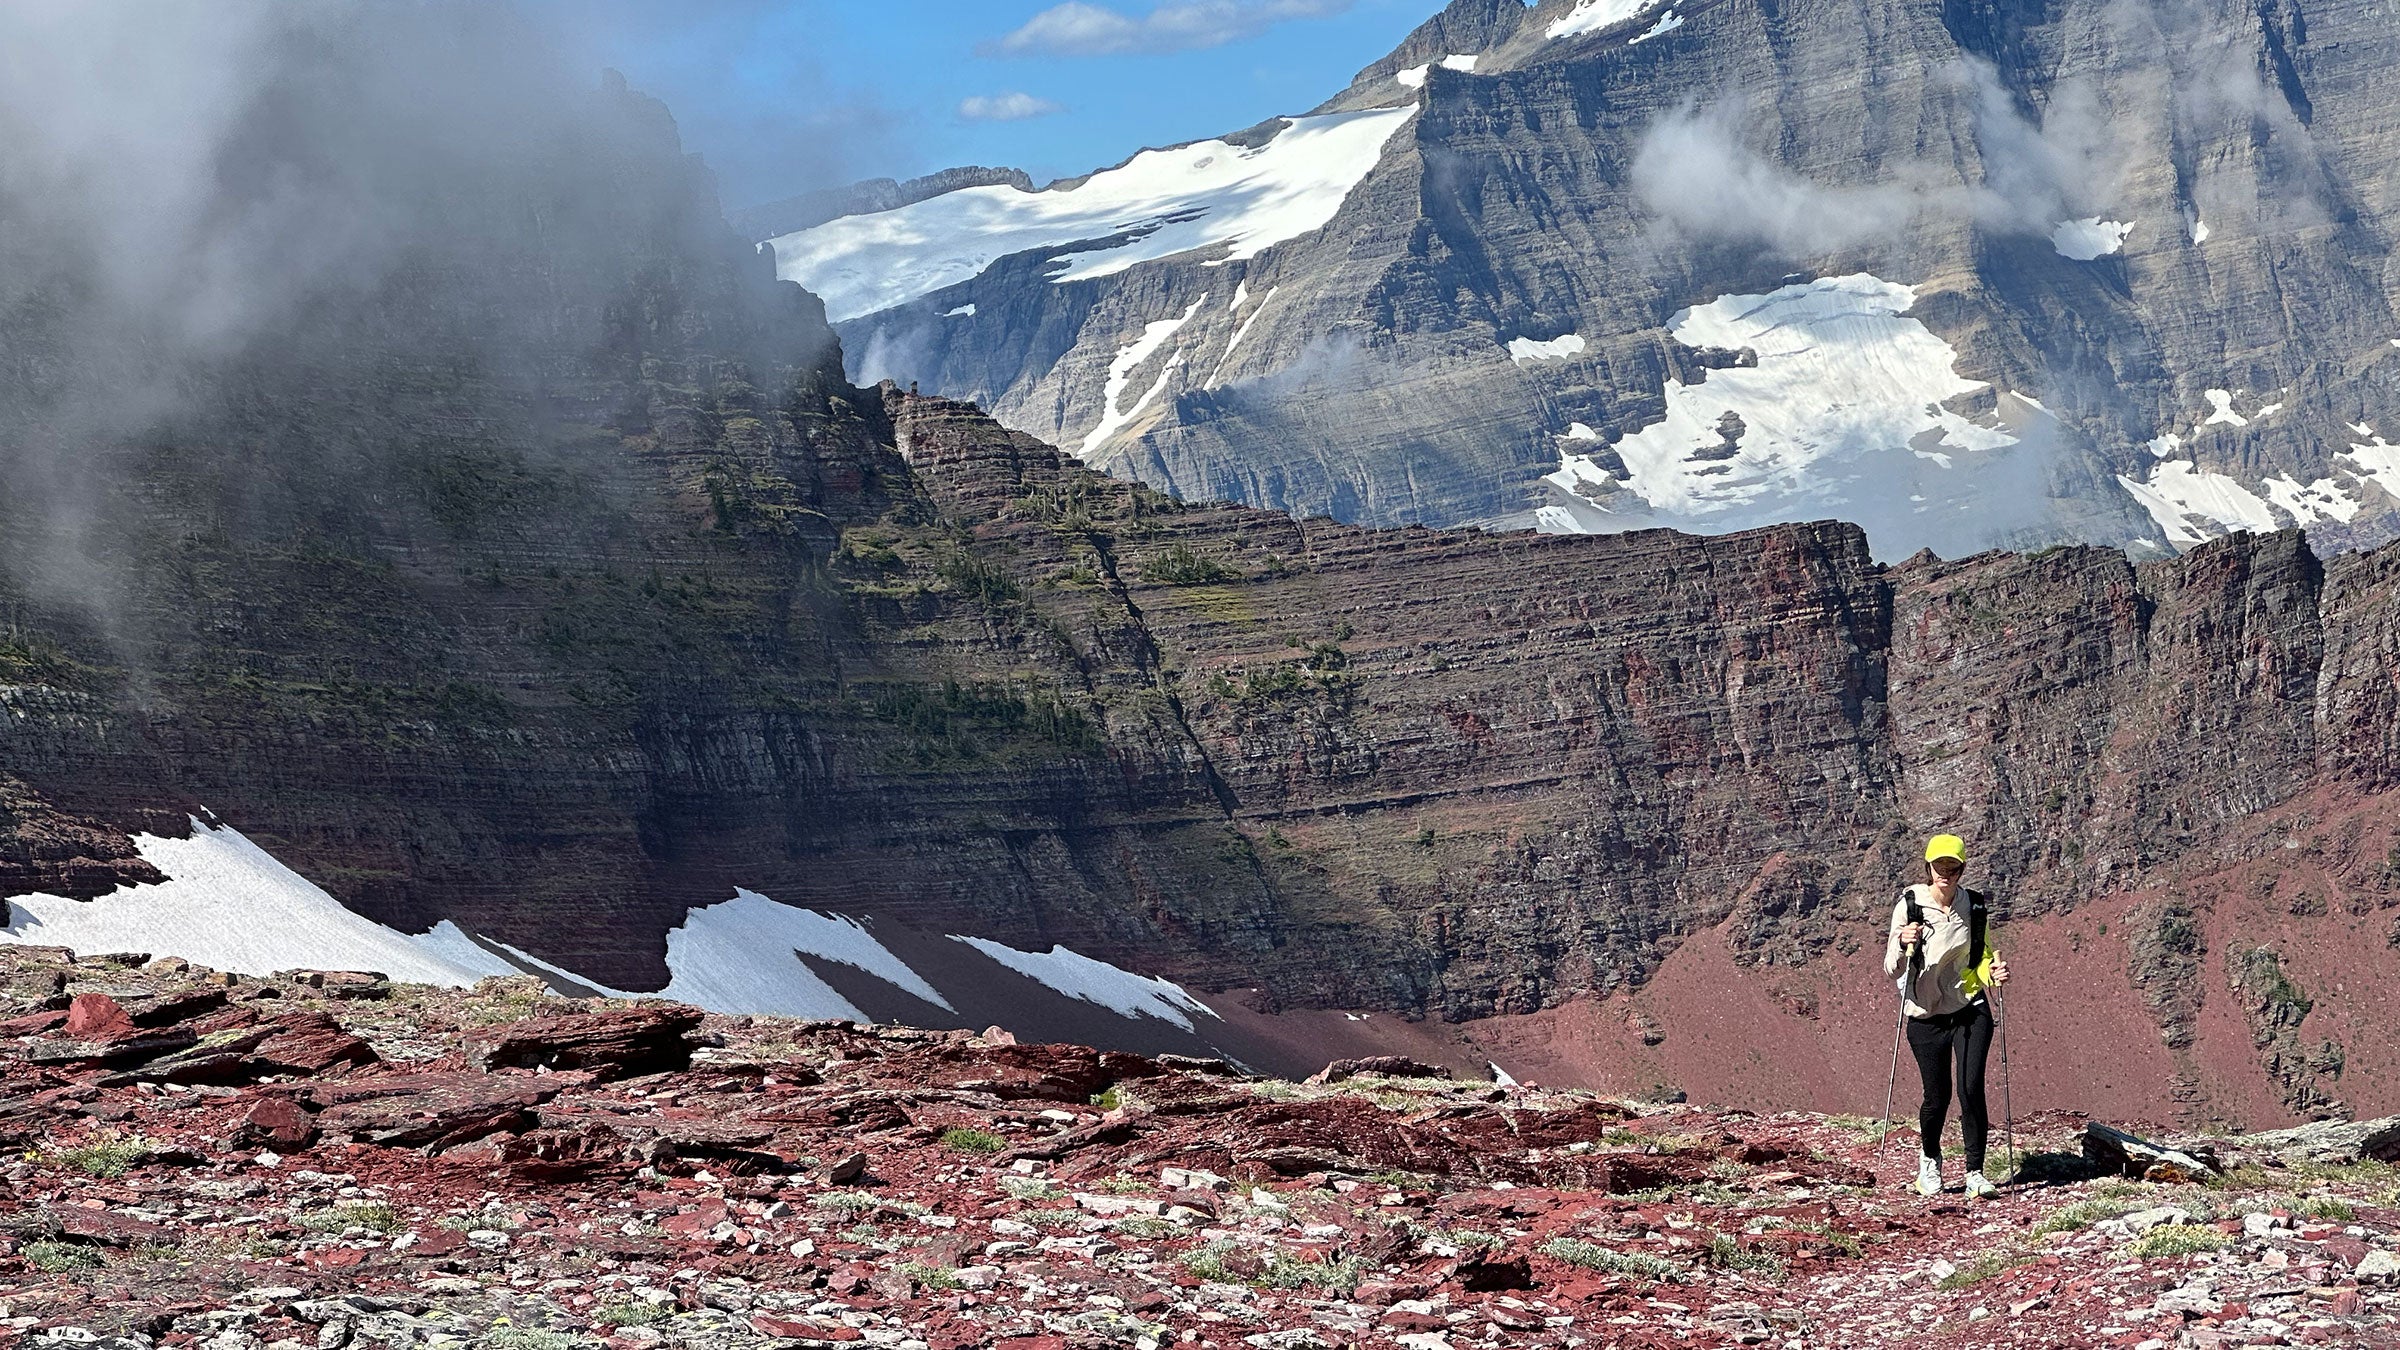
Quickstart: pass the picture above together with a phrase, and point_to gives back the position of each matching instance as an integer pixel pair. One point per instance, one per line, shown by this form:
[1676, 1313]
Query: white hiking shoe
[1929, 1175]
[1979, 1187]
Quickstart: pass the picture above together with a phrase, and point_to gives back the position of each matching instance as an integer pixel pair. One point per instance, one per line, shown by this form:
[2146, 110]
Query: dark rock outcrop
[617, 1043]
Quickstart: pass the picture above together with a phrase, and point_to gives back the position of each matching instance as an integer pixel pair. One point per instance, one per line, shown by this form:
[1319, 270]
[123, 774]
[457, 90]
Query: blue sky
[784, 95]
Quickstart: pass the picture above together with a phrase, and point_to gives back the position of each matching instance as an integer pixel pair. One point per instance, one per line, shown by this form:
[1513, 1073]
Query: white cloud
[1080, 29]
[1695, 171]
[1009, 107]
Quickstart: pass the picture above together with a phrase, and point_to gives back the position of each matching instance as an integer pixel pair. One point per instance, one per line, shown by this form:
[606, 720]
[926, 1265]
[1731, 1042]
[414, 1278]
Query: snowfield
[1590, 16]
[1079, 976]
[1842, 373]
[1210, 195]
[229, 905]
[1522, 350]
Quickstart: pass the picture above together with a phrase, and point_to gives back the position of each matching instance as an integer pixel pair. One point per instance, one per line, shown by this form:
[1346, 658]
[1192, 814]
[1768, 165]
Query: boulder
[97, 1017]
[2338, 1142]
[275, 1122]
[1390, 1066]
[2131, 1155]
[432, 1110]
[617, 1043]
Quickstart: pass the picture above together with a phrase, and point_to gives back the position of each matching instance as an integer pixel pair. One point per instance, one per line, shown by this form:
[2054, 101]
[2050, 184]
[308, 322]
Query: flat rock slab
[619, 1043]
[432, 1110]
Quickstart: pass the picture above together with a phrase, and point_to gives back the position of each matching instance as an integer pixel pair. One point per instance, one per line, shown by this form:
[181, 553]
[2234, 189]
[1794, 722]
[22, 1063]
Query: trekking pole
[2008, 1112]
[1891, 1085]
[1892, 1082]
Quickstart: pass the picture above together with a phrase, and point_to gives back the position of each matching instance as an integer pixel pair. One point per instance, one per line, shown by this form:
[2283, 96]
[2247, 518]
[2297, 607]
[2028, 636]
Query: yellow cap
[1945, 846]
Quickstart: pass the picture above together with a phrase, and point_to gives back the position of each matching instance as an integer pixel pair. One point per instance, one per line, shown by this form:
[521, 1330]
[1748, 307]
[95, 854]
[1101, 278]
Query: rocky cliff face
[1972, 275]
[629, 600]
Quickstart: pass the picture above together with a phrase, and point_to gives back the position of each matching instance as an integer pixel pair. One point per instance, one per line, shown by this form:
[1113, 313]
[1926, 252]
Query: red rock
[436, 1110]
[309, 1043]
[617, 1043]
[437, 1242]
[97, 1017]
[334, 1258]
[278, 1122]
[105, 1227]
[33, 1024]
[180, 1005]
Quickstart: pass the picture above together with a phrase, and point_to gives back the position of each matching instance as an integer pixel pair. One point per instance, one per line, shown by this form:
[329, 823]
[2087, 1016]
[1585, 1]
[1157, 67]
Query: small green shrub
[2177, 1239]
[105, 1157]
[631, 1313]
[2331, 1208]
[1030, 1188]
[1122, 1183]
[1183, 565]
[1593, 1256]
[372, 1214]
[932, 1277]
[1208, 1263]
[1985, 1267]
[2079, 1216]
[1286, 1271]
[1726, 1252]
[57, 1258]
[973, 1141]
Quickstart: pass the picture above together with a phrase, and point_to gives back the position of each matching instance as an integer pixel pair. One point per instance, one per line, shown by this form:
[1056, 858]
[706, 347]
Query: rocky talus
[328, 1159]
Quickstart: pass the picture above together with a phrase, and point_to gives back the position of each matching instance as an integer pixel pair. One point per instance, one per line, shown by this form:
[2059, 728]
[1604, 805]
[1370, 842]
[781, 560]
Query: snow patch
[1667, 23]
[962, 312]
[1414, 76]
[1556, 349]
[229, 905]
[1242, 332]
[2165, 445]
[1463, 63]
[1842, 374]
[2199, 230]
[2378, 462]
[2222, 401]
[2179, 491]
[1211, 194]
[1500, 1076]
[2307, 504]
[1079, 976]
[1590, 16]
[2089, 238]
[740, 956]
[1577, 431]
[1120, 373]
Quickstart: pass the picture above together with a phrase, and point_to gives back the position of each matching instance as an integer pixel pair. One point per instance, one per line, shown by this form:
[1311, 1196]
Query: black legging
[1966, 1036]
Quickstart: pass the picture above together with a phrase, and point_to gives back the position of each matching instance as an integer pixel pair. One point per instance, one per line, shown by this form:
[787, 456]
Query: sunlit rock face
[2127, 269]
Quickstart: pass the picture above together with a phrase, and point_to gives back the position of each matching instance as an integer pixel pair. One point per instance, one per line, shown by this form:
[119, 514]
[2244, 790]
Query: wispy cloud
[1008, 107]
[1695, 171]
[1080, 29]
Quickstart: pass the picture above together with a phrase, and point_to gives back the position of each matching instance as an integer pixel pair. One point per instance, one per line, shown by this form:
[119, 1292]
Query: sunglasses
[1949, 867]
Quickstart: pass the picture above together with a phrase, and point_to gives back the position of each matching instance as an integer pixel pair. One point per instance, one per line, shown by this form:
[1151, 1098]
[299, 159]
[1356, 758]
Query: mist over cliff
[216, 210]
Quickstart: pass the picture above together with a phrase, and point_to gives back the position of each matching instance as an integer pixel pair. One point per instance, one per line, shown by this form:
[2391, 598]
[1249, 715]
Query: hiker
[1938, 954]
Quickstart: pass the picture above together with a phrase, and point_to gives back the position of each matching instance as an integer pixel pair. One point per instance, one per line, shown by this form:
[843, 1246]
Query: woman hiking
[1938, 955]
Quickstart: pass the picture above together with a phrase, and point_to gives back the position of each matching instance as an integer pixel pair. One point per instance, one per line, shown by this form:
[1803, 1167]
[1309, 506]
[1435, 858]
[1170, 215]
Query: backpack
[1978, 914]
